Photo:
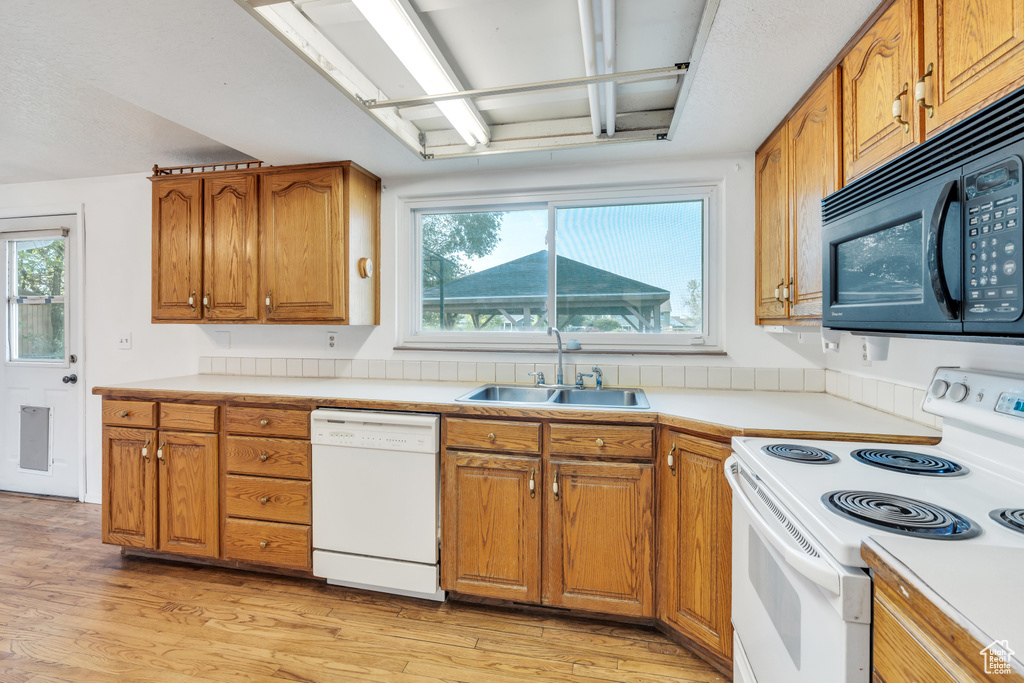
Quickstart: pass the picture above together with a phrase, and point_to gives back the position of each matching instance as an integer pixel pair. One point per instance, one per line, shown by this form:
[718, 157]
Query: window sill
[695, 350]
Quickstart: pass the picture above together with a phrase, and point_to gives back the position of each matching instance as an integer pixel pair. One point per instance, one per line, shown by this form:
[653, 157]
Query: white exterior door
[41, 397]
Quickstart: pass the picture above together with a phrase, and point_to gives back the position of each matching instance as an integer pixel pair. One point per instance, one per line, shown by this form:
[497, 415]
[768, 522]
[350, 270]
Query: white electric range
[801, 508]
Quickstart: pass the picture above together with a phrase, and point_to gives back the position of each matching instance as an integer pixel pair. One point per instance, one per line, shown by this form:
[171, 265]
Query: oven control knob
[939, 388]
[958, 392]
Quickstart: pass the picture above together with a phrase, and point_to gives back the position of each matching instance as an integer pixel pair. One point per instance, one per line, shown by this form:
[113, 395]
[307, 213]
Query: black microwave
[931, 244]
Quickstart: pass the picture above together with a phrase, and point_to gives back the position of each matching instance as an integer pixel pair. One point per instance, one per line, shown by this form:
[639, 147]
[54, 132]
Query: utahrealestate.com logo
[997, 657]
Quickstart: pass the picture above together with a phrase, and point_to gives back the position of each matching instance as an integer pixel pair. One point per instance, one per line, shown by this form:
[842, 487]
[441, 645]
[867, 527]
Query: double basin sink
[633, 399]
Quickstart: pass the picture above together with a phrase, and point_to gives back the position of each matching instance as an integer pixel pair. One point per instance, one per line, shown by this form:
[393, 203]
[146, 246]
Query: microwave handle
[936, 270]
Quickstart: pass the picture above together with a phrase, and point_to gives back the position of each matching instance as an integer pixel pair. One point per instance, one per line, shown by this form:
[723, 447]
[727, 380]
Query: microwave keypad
[994, 241]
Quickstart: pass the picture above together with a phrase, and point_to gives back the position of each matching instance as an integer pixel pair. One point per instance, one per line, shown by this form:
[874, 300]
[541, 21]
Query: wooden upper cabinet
[491, 544]
[976, 51]
[177, 249]
[303, 252]
[880, 69]
[129, 487]
[772, 218]
[230, 248]
[813, 134]
[189, 494]
[600, 537]
[695, 542]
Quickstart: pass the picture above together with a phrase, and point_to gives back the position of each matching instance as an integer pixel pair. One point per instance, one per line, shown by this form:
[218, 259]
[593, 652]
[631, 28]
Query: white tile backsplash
[504, 372]
[219, 366]
[264, 367]
[766, 379]
[205, 365]
[791, 379]
[814, 379]
[325, 367]
[650, 375]
[743, 379]
[629, 375]
[411, 369]
[523, 371]
[719, 378]
[673, 376]
[430, 370]
[449, 371]
[394, 369]
[697, 377]
[343, 368]
[467, 372]
[248, 366]
[360, 368]
[486, 372]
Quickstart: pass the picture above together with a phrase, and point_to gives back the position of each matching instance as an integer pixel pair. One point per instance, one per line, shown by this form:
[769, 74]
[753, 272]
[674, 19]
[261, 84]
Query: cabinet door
[695, 546]
[875, 72]
[600, 526]
[302, 246]
[976, 50]
[129, 487]
[814, 159]
[230, 248]
[189, 494]
[177, 249]
[492, 532]
[772, 217]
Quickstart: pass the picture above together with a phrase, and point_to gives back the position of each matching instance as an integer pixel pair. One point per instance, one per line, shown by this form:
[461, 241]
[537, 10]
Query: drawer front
[493, 435]
[274, 500]
[611, 441]
[267, 543]
[267, 422]
[129, 413]
[188, 418]
[286, 458]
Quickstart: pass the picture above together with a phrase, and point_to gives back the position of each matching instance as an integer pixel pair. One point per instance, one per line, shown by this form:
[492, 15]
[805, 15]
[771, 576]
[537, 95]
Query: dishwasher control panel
[378, 431]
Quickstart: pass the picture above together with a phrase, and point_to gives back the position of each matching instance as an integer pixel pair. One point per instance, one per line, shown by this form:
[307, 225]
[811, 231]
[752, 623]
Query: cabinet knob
[263, 544]
[491, 436]
[124, 413]
[600, 442]
[263, 457]
[264, 422]
[264, 500]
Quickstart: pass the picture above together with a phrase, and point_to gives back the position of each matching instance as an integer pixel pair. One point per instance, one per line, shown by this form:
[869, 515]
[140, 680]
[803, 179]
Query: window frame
[409, 210]
[7, 239]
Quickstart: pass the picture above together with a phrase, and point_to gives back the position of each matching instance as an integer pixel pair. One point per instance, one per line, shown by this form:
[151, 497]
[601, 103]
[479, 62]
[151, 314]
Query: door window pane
[39, 331]
[39, 266]
[35, 301]
[882, 267]
[484, 271]
[635, 268]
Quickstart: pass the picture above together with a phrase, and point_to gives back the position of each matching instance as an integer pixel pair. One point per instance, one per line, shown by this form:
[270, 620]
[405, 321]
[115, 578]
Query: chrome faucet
[539, 377]
[558, 336]
[600, 376]
[579, 378]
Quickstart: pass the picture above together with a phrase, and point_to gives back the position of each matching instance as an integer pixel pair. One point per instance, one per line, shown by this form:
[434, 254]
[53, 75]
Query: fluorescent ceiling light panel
[391, 20]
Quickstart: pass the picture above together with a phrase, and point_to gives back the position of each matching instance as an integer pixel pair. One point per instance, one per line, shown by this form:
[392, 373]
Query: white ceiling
[106, 87]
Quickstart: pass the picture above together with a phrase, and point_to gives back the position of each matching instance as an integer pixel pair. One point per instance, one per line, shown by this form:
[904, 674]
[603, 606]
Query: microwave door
[895, 265]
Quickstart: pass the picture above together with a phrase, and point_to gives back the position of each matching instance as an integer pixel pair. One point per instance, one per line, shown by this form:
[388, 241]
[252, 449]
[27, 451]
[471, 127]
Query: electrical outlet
[124, 341]
[332, 340]
[864, 358]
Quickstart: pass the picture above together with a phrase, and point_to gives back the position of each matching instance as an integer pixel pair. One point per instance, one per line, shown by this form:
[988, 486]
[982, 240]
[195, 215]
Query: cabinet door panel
[177, 249]
[977, 53]
[189, 494]
[875, 72]
[303, 248]
[600, 538]
[129, 487]
[772, 225]
[230, 248]
[814, 153]
[491, 542]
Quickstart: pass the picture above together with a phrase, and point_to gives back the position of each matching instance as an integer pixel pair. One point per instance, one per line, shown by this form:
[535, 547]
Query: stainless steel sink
[632, 399]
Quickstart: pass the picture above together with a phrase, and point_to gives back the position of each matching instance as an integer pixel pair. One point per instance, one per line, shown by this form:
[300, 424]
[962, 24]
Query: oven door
[799, 617]
[896, 265]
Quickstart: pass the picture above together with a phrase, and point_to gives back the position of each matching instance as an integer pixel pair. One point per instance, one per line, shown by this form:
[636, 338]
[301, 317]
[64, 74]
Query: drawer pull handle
[533, 484]
[264, 500]
[263, 544]
[491, 436]
[554, 485]
[264, 457]
[672, 460]
[264, 422]
[600, 442]
[897, 109]
[124, 413]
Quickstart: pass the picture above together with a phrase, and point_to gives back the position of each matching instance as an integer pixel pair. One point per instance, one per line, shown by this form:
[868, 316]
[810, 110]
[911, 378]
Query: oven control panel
[993, 243]
[983, 399]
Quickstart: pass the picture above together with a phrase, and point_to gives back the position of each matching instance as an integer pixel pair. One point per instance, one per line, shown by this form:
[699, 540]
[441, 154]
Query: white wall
[118, 271]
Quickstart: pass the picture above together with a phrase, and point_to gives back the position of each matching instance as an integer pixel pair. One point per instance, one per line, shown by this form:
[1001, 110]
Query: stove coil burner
[1011, 518]
[794, 453]
[909, 462]
[900, 515]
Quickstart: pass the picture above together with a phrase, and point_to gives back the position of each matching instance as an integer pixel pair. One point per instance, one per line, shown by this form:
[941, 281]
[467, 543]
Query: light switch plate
[124, 341]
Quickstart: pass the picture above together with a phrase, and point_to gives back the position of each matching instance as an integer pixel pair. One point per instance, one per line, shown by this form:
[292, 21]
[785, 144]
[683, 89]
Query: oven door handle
[815, 569]
[936, 269]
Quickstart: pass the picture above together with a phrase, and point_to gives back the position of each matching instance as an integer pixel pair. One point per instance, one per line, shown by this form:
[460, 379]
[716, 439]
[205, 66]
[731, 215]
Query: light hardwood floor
[72, 609]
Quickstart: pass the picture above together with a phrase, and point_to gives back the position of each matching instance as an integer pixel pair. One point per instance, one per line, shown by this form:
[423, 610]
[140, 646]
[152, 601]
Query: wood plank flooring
[72, 609]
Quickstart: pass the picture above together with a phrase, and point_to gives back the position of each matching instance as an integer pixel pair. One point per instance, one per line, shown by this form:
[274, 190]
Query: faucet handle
[540, 377]
[580, 376]
[600, 376]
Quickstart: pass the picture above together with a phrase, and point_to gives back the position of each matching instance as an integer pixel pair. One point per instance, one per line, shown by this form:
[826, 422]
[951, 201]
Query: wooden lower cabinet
[129, 487]
[695, 543]
[600, 527]
[491, 543]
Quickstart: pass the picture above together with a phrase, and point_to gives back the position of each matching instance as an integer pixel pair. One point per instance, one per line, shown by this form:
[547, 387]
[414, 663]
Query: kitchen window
[36, 286]
[621, 273]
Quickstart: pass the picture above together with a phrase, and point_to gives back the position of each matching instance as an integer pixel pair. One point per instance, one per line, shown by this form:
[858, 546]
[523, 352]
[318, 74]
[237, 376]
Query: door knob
[70, 379]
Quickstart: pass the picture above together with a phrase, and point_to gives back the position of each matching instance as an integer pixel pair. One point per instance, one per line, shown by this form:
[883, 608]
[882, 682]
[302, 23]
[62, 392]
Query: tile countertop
[749, 412]
[978, 590]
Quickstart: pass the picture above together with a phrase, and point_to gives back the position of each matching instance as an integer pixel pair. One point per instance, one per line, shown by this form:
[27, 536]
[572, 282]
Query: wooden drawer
[274, 500]
[267, 422]
[285, 458]
[493, 435]
[268, 543]
[612, 441]
[188, 418]
[129, 413]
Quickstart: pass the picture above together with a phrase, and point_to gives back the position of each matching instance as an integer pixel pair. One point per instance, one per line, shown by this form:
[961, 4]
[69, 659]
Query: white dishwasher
[375, 501]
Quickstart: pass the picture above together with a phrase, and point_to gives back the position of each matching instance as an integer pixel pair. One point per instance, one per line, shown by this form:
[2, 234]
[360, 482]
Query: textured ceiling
[104, 87]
